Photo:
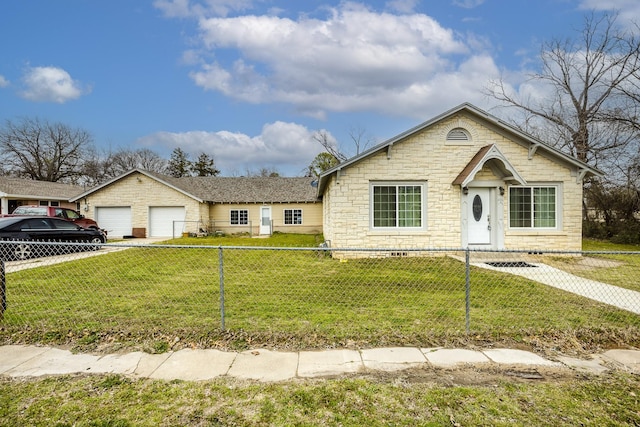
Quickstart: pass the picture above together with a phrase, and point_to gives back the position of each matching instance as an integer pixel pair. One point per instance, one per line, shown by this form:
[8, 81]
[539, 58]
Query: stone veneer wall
[140, 192]
[428, 157]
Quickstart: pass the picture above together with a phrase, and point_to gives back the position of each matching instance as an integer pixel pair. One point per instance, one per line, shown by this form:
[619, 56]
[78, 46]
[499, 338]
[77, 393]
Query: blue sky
[250, 81]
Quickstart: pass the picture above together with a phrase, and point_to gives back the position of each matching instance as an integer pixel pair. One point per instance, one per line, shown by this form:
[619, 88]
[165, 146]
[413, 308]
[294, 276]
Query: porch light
[501, 191]
[465, 190]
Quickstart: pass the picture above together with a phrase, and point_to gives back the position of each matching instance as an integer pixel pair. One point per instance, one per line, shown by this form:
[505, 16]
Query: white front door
[479, 216]
[265, 220]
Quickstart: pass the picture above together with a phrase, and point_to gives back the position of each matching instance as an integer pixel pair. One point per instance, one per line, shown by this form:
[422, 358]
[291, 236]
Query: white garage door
[116, 220]
[163, 219]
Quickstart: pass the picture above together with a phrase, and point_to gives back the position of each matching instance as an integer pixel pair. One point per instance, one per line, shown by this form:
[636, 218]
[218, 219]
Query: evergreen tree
[179, 164]
[204, 166]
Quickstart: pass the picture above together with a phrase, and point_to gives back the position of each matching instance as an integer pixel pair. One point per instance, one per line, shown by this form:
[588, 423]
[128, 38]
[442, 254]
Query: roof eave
[131, 172]
[583, 169]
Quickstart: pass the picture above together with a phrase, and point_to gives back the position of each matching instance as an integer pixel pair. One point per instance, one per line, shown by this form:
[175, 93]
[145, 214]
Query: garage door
[163, 219]
[116, 220]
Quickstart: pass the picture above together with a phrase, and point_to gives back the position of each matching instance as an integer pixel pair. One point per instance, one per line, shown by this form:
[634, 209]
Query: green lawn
[411, 398]
[620, 269]
[155, 299]
[149, 297]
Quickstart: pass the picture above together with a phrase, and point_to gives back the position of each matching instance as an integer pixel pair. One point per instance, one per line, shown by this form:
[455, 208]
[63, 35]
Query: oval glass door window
[477, 207]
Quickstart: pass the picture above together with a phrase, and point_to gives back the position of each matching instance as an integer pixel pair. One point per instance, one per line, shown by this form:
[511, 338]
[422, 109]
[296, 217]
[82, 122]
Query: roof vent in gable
[458, 134]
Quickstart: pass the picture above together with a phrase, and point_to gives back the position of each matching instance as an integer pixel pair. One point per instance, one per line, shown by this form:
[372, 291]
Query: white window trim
[559, 207]
[284, 216]
[239, 224]
[421, 184]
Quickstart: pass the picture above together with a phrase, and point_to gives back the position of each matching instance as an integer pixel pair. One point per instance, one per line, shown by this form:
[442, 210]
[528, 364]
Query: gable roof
[37, 190]
[532, 143]
[215, 189]
[491, 155]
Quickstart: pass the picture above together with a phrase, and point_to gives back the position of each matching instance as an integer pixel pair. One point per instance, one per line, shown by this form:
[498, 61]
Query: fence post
[221, 274]
[467, 290]
[3, 290]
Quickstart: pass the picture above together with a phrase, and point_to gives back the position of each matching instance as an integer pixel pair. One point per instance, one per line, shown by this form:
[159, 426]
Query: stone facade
[141, 192]
[427, 158]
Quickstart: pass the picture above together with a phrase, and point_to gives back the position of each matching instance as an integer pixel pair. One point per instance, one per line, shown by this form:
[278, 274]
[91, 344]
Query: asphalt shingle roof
[38, 189]
[246, 189]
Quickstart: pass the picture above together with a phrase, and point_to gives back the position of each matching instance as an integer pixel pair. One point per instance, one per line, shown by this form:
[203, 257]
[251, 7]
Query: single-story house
[462, 179]
[16, 192]
[145, 204]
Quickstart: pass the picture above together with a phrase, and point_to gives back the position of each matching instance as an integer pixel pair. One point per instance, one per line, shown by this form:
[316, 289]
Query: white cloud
[468, 4]
[191, 8]
[50, 84]
[3, 81]
[629, 10]
[173, 8]
[402, 6]
[354, 60]
[287, 147]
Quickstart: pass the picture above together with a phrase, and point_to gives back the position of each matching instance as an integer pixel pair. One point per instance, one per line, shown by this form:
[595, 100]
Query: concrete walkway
[268, 366]
[625, 299]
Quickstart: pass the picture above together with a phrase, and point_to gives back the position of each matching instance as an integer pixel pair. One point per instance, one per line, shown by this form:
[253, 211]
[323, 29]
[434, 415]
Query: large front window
[398, 205]
[533, 207]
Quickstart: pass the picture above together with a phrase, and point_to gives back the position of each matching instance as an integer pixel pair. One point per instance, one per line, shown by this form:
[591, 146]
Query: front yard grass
[620, 269]
[404, 399]
[168, 297]
[158, 299]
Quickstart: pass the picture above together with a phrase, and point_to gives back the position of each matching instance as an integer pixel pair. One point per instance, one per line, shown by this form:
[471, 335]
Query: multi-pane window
[397, 206]
[293, 216]
[239, 217]
[533, 207]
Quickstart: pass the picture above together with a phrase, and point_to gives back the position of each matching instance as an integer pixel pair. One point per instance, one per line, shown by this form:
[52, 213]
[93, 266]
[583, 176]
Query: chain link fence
[122, 291]
[212, 228]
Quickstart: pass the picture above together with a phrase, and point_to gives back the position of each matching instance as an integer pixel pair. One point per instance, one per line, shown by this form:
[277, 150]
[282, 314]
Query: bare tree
[359, 138]
[263, 172]
[330, 145]
[96, 168]
[43, 151]
[125, 160]
[591, 108]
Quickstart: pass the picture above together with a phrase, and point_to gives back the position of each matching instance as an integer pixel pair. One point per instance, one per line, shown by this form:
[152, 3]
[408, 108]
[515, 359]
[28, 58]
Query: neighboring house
[145, 204]
[16, 192]
[462, 179]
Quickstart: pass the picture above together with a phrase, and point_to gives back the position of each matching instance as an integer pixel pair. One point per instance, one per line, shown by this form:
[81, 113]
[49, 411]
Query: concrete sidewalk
[269, 366]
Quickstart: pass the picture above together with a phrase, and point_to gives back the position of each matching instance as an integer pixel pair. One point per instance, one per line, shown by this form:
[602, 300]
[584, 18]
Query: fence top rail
[332, 249]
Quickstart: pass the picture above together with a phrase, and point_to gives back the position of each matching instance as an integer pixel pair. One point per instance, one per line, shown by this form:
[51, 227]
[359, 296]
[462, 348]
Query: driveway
[13, 266]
